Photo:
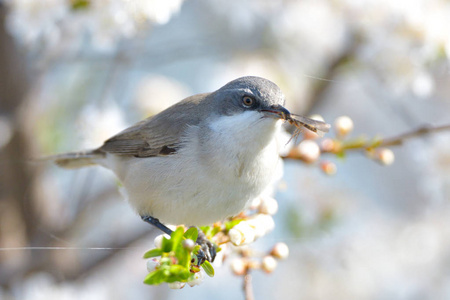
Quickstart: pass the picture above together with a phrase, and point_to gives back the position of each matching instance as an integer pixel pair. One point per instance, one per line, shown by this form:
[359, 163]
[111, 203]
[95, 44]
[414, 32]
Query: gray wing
[159, 134]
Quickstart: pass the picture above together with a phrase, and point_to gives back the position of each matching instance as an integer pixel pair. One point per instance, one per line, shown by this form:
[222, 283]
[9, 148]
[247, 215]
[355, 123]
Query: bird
[201, 160]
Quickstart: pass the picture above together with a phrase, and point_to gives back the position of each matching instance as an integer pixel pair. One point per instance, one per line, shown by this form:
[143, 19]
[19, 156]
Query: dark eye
[248, 101]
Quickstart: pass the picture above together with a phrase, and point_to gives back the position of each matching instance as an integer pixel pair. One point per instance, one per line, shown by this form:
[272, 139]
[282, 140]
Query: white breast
[214, 176]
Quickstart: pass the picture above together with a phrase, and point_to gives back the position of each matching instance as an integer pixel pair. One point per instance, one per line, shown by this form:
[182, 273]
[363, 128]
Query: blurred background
[73, 73]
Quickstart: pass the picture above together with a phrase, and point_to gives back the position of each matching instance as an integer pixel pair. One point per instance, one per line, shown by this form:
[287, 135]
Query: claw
[207, 251]
[201, 257]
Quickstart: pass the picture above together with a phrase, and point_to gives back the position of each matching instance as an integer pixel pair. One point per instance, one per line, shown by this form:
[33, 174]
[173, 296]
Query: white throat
[241, 144]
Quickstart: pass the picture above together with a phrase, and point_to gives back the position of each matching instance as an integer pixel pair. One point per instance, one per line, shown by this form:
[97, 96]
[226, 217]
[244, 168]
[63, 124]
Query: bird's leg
[207, 251]
[155, 222]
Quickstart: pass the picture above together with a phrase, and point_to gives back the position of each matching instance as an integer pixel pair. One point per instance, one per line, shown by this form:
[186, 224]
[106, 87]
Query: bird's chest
[241, 158]
[241, 166]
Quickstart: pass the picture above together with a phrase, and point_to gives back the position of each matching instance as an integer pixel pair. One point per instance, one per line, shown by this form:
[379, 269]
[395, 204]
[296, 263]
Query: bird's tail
[75, 160]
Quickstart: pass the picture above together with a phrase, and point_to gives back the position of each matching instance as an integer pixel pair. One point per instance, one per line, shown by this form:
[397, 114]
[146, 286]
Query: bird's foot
[207, 250]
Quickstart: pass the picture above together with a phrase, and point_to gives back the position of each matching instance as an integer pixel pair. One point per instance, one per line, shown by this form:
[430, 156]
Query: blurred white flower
[238, 266]
[423, 85]
[156, 93]
[328, 167]
[152, 264]
[255, 203]
[261, 224]
[268, 205]
[308, 151]
[242, 234]
[385, 156]
[198, 279]
[343, 125]
[97, 124]
[158, 239]
[176, 285]
[47, 22]
[268, 264]
[32, 21]
[155, 11]
[280, 251]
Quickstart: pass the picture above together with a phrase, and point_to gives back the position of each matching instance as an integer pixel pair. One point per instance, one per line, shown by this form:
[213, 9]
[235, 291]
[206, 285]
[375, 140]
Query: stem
[367, 144]
[416, 133]
[248, 288]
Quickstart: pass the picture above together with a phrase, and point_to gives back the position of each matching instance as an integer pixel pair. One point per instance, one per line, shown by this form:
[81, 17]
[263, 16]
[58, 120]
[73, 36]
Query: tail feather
[74, 160]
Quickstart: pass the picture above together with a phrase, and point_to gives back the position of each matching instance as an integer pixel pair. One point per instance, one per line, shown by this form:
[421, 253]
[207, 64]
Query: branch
[376, 147]
[424, 130]
[248, 288]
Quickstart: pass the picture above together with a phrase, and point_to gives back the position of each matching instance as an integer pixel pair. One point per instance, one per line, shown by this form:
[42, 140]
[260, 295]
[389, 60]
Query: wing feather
[160, 134]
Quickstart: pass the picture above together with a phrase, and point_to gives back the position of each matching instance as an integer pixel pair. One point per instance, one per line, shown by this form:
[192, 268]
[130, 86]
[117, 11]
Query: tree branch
[424, 130]
[248, 287]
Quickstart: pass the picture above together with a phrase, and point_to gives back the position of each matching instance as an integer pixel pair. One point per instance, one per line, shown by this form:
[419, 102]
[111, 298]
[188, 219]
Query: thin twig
[248, 287]
[339, 146]
[395, 141]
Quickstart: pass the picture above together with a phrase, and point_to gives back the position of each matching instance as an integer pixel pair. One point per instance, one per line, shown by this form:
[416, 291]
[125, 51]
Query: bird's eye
[248, 101]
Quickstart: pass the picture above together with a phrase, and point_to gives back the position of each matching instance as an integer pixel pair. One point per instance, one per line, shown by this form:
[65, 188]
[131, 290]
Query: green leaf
[153, 253]
[178, 273]
[176, 238]
[166, 245]
[231, 224]
[191, 233]
[215, 230]
[177, 269]
[155, 277]
[206, 229]
[208, 268]
[183, 256]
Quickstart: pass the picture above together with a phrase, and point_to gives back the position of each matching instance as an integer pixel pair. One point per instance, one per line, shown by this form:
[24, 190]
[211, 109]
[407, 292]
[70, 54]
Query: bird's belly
[191, 193]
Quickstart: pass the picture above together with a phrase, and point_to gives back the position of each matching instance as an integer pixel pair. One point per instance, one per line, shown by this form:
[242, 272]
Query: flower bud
[255, 203]
[385, 156]
[308, 151]
[235, 236]
[198, 279]
[343, 125]
[152, 264]
[241, 234]
[158, 241]
[176, 285]
[188, 244]
[268, 264]
[261, 224]
[280, 251]
[159, 238]
[328, 145]
[328, 167]
[268, 205]
[238, 266]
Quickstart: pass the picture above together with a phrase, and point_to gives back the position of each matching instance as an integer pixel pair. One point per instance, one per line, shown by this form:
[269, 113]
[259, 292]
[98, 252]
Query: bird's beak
[277, 111]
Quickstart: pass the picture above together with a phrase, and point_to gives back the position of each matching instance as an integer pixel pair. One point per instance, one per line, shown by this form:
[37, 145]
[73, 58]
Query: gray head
[250, 93]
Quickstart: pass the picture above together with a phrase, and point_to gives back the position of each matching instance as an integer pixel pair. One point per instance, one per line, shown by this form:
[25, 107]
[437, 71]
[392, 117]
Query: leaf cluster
[177, 262]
